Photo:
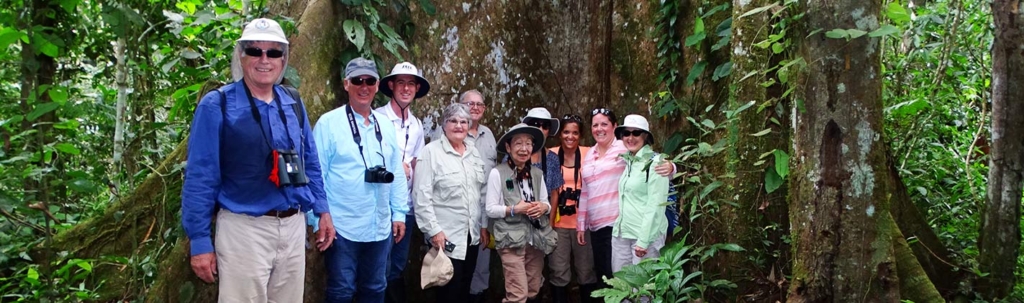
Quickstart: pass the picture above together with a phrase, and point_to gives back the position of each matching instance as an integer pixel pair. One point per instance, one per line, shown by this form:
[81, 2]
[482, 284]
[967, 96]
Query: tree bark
[843, 250]
[915, 285]
[121, 79]
[999, 244]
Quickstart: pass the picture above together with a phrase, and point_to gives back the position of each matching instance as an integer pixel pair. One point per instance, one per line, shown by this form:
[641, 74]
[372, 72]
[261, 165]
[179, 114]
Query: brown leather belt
[282, 213]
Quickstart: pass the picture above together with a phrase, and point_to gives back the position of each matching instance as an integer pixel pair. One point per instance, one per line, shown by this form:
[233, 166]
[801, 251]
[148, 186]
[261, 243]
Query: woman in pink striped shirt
[599, 197]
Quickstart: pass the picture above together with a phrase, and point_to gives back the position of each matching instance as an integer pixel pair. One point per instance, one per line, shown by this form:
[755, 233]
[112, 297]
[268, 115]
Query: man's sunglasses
[360, 81]
[258, 52]
[538, 124]
[634, 133]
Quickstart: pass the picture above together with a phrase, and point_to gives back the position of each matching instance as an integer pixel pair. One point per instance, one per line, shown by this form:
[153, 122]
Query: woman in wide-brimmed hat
[639, 231]
[545, 159]
[517, 203]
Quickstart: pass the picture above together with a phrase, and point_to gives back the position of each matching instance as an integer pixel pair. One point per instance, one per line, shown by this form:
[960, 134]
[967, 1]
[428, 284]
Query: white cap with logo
[263, 29]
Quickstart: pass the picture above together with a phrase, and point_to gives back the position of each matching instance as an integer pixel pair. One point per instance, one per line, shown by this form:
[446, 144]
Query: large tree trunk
[999, 245]
[843, 248]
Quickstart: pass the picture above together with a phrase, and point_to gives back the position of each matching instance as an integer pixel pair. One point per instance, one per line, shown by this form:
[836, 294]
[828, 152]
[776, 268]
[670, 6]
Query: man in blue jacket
[253, 164]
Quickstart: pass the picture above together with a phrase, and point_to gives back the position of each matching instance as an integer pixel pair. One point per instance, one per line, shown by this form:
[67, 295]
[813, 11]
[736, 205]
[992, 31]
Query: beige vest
[518, 231]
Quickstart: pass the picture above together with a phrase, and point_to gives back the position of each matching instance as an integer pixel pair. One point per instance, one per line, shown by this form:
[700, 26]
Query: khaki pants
[260, 259]
[582, 257]
[523, 268]
[623, 255]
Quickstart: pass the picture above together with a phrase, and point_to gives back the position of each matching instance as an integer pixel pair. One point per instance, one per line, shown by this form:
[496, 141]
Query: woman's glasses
[258, 52]
[360, 81]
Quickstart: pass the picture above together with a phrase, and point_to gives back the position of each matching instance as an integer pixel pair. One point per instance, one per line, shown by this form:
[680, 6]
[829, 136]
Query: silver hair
[236, 60]
[455, 110]
[462, 97]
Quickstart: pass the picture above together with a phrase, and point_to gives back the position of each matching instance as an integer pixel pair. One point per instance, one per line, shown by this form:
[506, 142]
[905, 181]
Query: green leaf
[674, 142]
[781, 163]
[67, 148]
[355, 33]
[698, 26]
[855, 33]
[32, 276]
[695, 72]
[695, 38]
[837, 34]
[757, 10]
[711, 187]
[772, 181]
[189, 54]
[48, 48]
[9, 35]
[708, 123]
[69, 5]
[778, 48]
[885, 30]
[42, 109]
[897, 13]
[731, 247]
[58, 94]
[762, 133]
[722, 71]
[83, 186]
[428, 7]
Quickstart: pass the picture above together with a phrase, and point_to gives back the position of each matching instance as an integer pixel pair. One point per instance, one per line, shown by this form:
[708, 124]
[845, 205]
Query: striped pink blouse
[599, 199]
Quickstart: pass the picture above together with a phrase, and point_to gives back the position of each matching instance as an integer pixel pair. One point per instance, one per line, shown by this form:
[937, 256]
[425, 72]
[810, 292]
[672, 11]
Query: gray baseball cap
[360, 67]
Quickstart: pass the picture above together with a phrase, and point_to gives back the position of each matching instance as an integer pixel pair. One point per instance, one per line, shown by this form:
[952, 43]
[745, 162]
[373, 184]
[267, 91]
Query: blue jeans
[400, 251]
[356, 269]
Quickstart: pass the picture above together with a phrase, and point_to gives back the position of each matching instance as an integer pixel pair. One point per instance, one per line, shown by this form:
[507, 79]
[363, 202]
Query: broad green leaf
[695, 72]
[698, 26]
[42, 109]
[731, 247]
[885, 30]
[897, 13]
[12, 120]
[708, 189]
[58, 94]
[674, 142]
[67, 148]
[837, 34]
[757, 10]
[855, 33]
[32, 276]
[189, 54]
[203, 17]
[778, 48]
[722, 71]
[69, 5]
[772, 181]
[762, 133]
[8, 36]
[82, 186]
[781, 163]
[355, 33]
[695, 38]
[48, 48]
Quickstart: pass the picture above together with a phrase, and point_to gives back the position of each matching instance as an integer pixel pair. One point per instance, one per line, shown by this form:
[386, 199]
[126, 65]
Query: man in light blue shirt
[366, 188]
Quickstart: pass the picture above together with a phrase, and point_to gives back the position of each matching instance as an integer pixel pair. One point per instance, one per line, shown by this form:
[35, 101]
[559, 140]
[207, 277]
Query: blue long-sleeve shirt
[361, 211]
[229, 162]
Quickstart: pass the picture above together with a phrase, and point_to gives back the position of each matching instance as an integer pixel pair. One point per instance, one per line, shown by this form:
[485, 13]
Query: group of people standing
[365, 178]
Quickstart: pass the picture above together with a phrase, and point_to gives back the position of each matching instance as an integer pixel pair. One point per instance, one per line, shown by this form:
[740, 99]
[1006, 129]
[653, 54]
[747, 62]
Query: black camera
[568, 194]
[291, 171]
[378, 174]
[449, 246]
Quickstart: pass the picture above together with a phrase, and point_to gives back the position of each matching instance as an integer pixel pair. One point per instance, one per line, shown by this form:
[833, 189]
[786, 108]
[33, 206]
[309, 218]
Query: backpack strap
[300, 111]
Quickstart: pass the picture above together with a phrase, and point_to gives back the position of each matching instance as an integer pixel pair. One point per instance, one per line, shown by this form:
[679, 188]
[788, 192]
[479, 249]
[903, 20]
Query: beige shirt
[447, 191]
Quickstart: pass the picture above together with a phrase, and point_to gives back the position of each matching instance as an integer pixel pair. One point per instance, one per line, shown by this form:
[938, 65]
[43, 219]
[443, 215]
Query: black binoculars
[378, 174]
[568, 194]
[291, 171]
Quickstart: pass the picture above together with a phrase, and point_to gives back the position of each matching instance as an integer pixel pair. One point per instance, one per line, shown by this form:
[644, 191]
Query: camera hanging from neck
[359, 139]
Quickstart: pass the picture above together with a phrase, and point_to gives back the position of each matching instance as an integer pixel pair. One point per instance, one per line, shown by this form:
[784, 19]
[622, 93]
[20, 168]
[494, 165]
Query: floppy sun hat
[437, 269]
[540, 113]
[522, 128]
[263, 29]
[405, 68]
[638, 122]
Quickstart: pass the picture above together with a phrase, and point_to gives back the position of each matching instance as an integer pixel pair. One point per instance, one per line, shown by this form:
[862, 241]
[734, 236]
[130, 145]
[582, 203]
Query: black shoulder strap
[300, 111]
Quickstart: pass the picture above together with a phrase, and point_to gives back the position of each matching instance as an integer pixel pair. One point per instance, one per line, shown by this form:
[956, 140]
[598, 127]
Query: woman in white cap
[639, 231]
[517, 203]
[449, 180]
[544, 159]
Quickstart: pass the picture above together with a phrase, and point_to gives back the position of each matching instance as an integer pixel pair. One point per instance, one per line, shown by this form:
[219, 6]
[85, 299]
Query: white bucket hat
[405, 68]
[437, 269]
[540, 113]
[263, 29]
[638, 122]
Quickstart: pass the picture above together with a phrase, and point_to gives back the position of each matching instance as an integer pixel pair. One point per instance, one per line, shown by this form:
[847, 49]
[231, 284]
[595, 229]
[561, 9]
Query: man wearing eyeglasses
[405, 84]
[366, 189]
[251, 155]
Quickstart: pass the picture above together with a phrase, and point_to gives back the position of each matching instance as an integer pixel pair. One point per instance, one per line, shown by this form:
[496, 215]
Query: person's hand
[522, 207]
[536, 210]
[408, 170]
[665, 168]
[438, 240]
[580, 238]
[485, 238]
[325, 234]
[639, 252]
[398, 230]
[205, 266]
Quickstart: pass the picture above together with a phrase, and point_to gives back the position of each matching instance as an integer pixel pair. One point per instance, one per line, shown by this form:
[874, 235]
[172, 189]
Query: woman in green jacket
[639, 231]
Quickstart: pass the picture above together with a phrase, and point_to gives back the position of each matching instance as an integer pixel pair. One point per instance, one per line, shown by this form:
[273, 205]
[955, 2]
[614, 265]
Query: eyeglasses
[475, 104]
[572, 118]
[634, 133]
[360, 81]
[538, 124]
[258, 52]
[601, 110]
[522, 145]
[458, 121]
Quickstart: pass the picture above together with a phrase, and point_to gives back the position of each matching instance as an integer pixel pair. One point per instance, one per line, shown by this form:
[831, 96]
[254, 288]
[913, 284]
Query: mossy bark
[915, 285]
[839, 192]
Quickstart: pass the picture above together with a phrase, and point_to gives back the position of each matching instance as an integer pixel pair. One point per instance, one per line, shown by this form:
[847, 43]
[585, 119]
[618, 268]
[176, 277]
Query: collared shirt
[229, 161]
[599, 199]
[409, 135]
[448, 190]
[361, 211]
[486, 146]
[572, 180]
[643, 194]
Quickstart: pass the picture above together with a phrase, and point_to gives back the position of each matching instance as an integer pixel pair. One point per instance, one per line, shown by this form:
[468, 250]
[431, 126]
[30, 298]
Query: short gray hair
[462, 97]
[236, 60]
[455, 110]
